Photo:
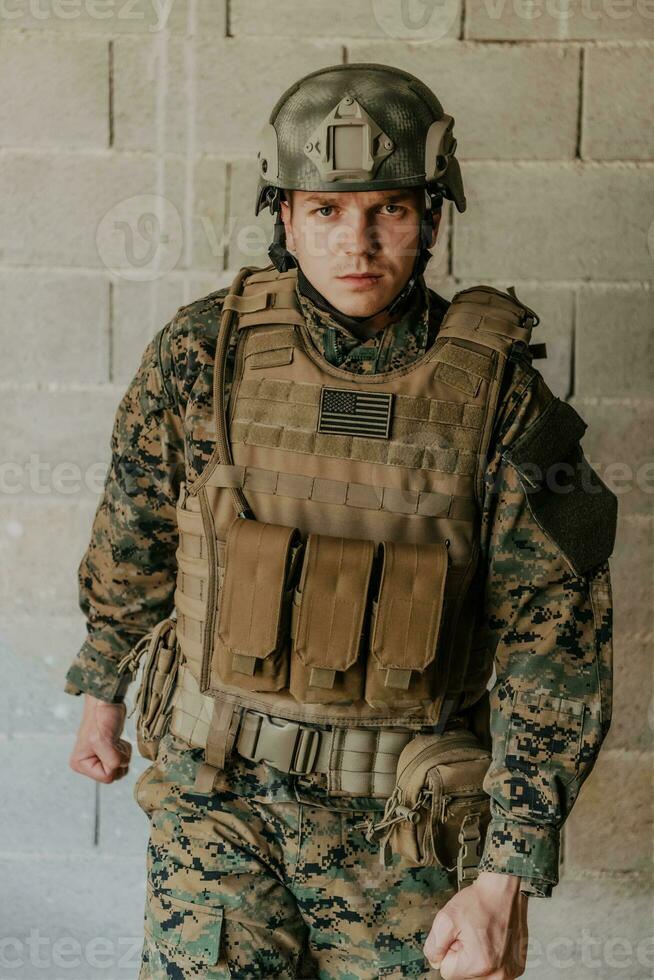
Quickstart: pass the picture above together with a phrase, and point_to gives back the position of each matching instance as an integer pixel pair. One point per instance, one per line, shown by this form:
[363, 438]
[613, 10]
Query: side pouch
[406, 621]
[329, 620]
[154, 698]
[438, 812]
[251, 644]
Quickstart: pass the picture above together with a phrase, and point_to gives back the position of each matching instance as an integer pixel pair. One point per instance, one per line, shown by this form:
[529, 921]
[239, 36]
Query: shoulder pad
[566, 496]
[483, 313]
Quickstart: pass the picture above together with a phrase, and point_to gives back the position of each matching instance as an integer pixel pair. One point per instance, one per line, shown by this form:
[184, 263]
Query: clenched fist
[99, 751]
[482, 931]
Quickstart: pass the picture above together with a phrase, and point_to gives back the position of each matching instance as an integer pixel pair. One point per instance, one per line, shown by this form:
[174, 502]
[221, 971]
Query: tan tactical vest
[352, 594]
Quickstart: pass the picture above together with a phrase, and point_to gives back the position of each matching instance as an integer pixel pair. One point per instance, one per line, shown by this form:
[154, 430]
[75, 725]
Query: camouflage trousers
[269, 876]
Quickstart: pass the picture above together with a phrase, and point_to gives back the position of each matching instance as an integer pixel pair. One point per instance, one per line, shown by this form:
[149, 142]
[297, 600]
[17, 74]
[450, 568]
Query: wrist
[498, 883]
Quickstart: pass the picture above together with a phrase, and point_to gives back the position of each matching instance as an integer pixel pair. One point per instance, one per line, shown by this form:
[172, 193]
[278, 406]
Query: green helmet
[358, 127]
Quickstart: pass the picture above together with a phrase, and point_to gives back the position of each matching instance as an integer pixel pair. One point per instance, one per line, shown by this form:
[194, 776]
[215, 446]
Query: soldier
[337, 503]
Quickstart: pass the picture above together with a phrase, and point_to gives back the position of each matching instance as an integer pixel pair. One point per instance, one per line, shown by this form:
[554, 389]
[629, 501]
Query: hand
[99, 751]
[482, 931]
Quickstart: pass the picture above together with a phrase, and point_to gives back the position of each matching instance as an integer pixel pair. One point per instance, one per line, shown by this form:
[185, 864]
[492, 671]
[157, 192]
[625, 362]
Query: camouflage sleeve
[547, 616]
[127, 575]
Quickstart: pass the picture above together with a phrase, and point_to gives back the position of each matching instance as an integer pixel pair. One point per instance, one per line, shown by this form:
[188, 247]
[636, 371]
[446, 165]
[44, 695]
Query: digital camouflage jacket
[550, 627]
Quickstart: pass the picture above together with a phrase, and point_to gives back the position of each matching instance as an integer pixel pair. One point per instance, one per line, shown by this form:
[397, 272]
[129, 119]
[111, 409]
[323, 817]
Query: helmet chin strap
[283, 260]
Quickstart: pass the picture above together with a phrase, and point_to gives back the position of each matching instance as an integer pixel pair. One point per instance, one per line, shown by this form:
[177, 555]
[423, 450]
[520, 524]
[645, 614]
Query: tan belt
[358, 761]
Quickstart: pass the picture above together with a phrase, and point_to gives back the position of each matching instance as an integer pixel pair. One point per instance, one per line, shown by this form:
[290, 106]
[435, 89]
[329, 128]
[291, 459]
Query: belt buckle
[292, 748]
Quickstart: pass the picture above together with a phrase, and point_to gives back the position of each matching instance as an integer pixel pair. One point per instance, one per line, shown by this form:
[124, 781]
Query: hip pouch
[438, 812]
[154, 697]
[251, 646]
[405, 624]
[329, 617]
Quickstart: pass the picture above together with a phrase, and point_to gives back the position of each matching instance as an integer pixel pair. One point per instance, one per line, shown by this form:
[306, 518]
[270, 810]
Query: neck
[362, 327]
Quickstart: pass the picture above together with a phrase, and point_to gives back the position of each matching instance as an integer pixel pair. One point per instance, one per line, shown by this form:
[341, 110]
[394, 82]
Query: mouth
[360, 278]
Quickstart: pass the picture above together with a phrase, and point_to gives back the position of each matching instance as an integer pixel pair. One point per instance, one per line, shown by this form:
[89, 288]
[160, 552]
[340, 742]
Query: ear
[285, 214]
[436, 218]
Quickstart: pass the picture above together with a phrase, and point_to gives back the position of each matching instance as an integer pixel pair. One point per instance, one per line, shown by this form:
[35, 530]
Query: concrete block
[542, 221]
[72, 916]
[547, 20]
[378, 18]
[178, 225]
[42, 545]
[70, 209]
[199, 284]
[610, 827]
[67, 433]
[62, 320]
[632, 581]
[151, 87]
[446, 287]
[56, 91]
[122, 826]
[500, 96]
[593, 928]
[238, 82]
[46, 807]
[618, 104]
[140, 310]
[618, 444]
[614, 342]
[632, 724]
[208, 229]
[37, 648]
[114, 18]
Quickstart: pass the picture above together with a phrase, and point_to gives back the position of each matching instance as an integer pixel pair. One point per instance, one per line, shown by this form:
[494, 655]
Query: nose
[359, 236]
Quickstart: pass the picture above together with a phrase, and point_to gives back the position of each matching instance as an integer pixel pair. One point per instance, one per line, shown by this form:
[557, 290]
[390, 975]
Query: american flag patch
[344, 411]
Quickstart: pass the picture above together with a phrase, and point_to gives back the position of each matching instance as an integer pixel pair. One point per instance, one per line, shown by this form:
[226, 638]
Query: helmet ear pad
[427, 221]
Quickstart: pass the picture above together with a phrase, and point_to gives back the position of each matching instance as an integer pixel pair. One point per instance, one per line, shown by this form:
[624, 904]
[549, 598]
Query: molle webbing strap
[221, 733]
[274, 391]
[270, 274]
[462, 368]
[266, 301]
[202, 722]
[424, 503]
[460, 461]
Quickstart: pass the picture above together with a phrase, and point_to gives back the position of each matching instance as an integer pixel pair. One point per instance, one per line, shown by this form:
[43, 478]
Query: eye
[325, 207]
[397, 207]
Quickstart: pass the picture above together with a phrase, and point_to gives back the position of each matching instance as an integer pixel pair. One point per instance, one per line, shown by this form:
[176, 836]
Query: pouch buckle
[467, 862]
[285, 745]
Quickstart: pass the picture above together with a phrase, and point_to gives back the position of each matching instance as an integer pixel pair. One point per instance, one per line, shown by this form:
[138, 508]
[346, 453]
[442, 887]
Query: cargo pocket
[543, 743]
[252, 641]
[185, 935]
[406, 622]
[329, 619]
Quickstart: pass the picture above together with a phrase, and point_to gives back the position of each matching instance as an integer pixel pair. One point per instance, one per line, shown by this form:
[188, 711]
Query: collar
[404, 338]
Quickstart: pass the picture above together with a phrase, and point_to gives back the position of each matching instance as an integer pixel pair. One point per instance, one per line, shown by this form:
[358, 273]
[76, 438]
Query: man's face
[357, 248]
